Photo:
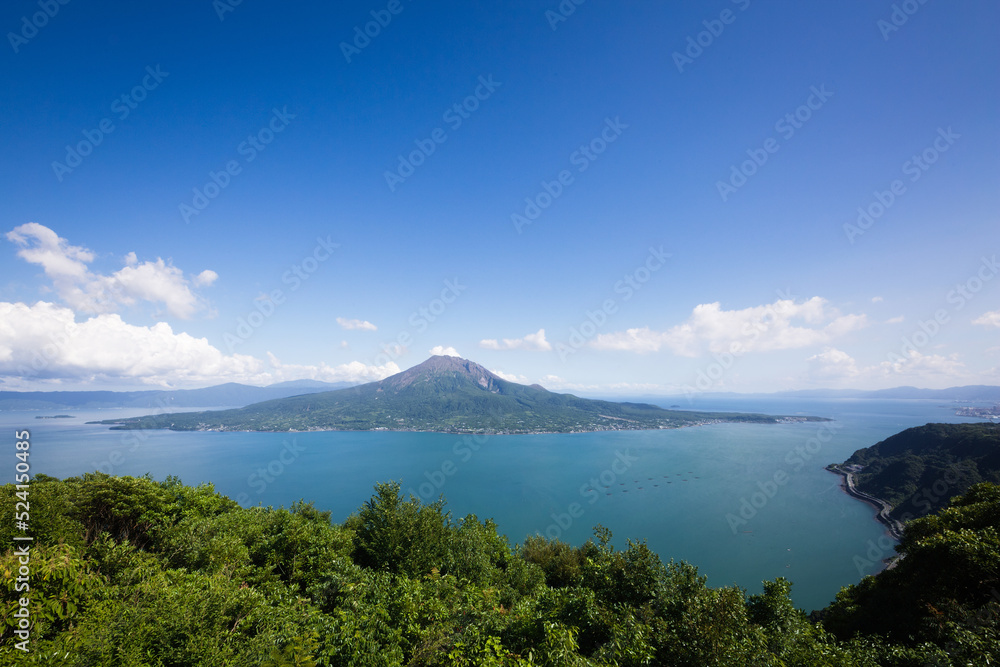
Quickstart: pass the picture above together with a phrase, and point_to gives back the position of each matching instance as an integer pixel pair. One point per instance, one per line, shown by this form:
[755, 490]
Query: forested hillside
[129, 571]
[918, 470]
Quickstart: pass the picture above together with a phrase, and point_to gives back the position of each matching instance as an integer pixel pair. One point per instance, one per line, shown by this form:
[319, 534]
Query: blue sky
[642, 199]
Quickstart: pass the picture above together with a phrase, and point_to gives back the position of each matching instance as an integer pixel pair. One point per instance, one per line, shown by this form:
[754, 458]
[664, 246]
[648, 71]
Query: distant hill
[967, 393]
[220, 395]
[233, 394]
[442, 394]
[918, 470]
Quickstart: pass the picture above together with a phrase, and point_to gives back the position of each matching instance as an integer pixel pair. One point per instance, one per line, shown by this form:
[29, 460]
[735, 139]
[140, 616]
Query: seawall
[895, 528]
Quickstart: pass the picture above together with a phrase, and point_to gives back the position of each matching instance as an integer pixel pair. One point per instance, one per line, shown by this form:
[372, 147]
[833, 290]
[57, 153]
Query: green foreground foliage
[129, 571]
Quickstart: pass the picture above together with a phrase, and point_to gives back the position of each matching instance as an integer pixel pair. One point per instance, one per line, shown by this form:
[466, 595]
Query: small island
[53, 416]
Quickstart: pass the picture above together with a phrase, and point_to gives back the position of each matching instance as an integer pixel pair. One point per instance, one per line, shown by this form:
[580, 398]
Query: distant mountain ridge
[445, 394]
[227, 394]
[965, 393]
[989, 393]
[233, 394]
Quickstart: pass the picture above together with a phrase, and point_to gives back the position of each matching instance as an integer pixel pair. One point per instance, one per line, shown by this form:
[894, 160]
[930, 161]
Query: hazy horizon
[690, 393]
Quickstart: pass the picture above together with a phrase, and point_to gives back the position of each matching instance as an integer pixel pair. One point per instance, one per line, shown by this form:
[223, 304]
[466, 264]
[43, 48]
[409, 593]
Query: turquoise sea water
[682, 490]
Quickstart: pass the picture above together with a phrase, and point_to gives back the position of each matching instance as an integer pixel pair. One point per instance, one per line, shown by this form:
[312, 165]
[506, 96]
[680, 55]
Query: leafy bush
[947, 579]
[128, 571]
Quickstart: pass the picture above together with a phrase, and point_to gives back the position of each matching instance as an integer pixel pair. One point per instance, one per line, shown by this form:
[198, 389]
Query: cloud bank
[782, 325]
[44, 342]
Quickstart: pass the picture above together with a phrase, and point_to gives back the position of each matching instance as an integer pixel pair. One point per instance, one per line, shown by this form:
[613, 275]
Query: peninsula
[917, 471]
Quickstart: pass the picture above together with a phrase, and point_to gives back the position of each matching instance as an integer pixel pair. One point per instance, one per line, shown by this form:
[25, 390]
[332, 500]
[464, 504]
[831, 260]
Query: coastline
[893, 527]
[122, 425]
[132, 424]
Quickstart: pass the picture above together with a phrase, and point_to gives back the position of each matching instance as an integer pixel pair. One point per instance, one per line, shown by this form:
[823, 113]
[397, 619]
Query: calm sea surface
[742, 502]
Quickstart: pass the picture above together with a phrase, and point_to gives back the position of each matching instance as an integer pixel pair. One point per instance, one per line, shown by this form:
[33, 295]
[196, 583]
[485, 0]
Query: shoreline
[119, 426]
[893, 527]
[127, 424]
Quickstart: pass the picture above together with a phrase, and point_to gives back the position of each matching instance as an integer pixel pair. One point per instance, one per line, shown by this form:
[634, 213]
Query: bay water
[742, 502]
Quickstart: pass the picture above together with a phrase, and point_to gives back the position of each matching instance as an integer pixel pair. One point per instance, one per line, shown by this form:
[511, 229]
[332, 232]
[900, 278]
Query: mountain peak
[439, 365]
[441, 362]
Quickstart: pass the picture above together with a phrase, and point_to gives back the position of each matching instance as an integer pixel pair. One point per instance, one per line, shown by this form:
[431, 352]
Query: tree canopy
[131, 571]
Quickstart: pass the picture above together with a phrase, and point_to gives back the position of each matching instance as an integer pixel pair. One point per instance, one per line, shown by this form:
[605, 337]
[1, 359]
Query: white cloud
[641, 340]
[60, 260]
[923, 367]
[556, 383]
[510, 377]
[781, 325]
[444, 351]
[156, 282]
[354, 371]
[84, 291]
[363, 325]
[44, 342]
[990, 319]
[535, 341]
[205, 278]
[877, 299]
[394, 350]
[832, 365]
[895, 320]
